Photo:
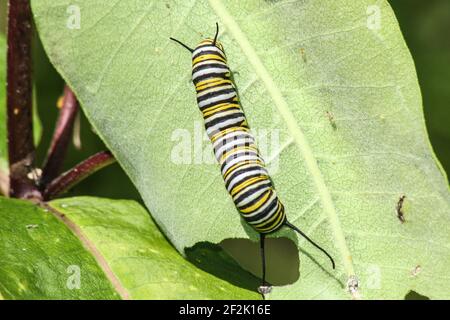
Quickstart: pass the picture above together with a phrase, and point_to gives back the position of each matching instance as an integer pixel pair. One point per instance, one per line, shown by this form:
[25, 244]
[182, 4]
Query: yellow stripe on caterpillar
[257, 204]
[219, 106]
[245, 184]
[234, 150]
[279, 215]
[226, 131]
[240, 164]
[207, 57]
[211, 83]
[222, 108]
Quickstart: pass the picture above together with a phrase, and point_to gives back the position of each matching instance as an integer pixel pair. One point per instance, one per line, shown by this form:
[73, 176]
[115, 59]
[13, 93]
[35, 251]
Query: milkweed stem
[78, 173]
[21, 150]
[61, 138]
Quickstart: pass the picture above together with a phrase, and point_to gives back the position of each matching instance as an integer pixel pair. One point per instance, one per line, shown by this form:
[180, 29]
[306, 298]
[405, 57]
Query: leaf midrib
[294, 130]
[90, 247]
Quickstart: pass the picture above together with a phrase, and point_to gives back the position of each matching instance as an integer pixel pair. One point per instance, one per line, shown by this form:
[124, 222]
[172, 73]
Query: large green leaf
[112, 244]
[333, 85]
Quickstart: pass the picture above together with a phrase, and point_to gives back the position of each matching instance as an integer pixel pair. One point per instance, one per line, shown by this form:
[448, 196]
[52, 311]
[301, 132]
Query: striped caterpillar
[243, 169]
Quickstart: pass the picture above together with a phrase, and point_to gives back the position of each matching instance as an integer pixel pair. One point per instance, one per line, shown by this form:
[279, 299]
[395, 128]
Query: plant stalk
[78, 173]
[61, 138]
[21, 150]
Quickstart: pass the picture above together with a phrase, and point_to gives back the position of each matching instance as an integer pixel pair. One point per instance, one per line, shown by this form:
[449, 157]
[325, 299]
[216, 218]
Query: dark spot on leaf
[400, 214]
[412, 295]
[330, 117]
[303, 54]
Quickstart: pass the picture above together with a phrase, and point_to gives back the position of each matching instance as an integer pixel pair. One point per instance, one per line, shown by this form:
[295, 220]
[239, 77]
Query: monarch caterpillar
[243, 169]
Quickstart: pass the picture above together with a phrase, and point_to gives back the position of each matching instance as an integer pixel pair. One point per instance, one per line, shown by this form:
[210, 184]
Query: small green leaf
[93, 248]
[145, 264]
[42, 259]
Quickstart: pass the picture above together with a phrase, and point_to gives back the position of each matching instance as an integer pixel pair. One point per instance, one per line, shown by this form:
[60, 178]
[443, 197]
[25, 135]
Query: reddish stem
[78, 173]
[61, 138]
[19, 100]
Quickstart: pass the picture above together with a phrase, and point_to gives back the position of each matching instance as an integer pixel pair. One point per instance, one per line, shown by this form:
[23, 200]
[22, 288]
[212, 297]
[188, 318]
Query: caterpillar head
[205, 45]
[212, 42]
[210, 46]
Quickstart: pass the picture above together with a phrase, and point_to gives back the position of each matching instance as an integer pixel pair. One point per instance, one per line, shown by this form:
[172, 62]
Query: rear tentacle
[290, 225]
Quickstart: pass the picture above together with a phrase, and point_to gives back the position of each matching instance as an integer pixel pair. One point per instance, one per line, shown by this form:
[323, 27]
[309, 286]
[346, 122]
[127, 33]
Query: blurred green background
[426, 26]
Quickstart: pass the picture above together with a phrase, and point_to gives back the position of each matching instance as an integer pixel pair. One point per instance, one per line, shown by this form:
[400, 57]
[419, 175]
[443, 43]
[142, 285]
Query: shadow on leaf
[221, 261]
